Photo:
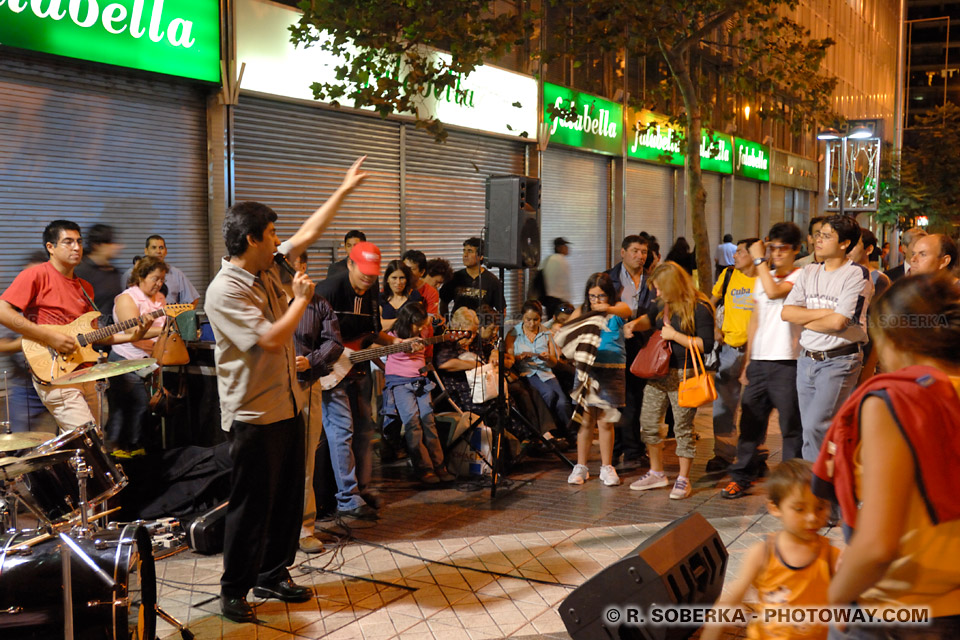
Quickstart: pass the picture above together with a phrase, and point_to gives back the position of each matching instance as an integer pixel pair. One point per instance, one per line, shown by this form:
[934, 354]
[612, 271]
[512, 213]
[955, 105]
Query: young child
[406, 393]
[791, 568]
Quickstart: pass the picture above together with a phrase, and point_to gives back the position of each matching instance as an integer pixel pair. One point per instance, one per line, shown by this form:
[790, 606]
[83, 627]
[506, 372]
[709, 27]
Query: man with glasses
[473, 286]
[51, 294]
[829, 301]
[770, 377]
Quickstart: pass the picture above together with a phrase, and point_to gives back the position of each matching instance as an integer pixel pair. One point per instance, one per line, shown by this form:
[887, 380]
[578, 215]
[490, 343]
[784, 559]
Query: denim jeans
[349, 427]
[553, 396]
[822, 388]
[410, 399]
[725, 406]
[27, 412]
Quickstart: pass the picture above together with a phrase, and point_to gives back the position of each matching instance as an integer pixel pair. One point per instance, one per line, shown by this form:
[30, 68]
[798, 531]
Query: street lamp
[857, 132]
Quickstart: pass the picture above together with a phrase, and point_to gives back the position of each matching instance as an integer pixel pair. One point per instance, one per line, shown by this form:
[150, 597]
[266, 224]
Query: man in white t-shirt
[556, 277]
[770, 377]
[829, 300]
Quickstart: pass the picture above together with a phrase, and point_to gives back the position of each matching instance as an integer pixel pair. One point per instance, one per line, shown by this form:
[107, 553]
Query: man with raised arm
[261, 400]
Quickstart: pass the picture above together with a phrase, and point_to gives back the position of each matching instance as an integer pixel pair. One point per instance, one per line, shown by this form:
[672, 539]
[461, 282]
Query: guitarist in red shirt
[50, 294]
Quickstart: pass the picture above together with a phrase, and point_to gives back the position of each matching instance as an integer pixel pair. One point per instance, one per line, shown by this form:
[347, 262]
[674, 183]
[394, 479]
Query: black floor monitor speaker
[684, 564]
[513, 222]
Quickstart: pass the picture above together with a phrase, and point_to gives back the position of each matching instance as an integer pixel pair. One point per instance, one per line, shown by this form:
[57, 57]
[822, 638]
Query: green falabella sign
[176, 37]
[598, 125]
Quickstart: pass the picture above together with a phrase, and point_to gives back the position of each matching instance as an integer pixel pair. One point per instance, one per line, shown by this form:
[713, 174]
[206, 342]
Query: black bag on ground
[205, 533]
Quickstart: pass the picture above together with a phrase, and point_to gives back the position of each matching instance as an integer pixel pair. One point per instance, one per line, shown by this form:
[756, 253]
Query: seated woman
[128, 395]
[535, 356]
[453, 359]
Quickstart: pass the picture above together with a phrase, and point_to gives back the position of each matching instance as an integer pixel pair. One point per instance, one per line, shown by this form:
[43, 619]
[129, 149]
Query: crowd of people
[835, 346]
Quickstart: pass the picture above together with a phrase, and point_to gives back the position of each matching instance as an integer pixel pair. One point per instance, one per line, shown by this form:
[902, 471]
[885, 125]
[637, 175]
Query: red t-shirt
[431, 298]
[45, 296]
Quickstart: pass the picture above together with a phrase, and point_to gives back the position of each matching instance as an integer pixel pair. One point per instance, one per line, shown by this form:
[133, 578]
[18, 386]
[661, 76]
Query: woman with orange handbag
[689, 323]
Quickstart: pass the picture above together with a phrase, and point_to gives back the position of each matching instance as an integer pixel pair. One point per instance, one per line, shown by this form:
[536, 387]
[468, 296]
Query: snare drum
[53, 494]
[31, 595]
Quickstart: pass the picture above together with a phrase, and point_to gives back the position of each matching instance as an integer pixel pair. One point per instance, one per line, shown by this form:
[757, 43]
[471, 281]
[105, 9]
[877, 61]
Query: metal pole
[843, 171]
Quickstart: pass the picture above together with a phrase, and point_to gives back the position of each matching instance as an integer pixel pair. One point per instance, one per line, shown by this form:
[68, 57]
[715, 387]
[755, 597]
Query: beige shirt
[256, 386]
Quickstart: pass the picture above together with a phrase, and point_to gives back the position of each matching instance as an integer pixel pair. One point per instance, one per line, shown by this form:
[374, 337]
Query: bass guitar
[349, 357]
[48, 365]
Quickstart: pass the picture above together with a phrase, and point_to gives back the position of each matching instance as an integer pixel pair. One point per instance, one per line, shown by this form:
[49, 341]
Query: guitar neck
[399, 347]
[106, 332]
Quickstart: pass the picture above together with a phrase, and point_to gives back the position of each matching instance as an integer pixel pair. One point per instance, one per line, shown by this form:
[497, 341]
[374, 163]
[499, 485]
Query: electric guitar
[349, 357]
[48, 365]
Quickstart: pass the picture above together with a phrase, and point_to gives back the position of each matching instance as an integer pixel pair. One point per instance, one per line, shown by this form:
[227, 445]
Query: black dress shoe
[237, 609]
[285, 590]
[363, 512]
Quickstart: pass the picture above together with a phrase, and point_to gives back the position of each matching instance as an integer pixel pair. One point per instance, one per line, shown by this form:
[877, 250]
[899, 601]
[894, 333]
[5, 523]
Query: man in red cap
[347, 419]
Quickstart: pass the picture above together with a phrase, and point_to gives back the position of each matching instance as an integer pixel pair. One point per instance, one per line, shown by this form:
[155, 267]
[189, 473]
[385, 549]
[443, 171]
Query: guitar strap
[90, 300]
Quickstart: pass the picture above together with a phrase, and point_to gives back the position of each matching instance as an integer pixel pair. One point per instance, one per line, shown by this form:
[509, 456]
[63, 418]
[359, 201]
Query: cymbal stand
[8, 424]
[69, 547]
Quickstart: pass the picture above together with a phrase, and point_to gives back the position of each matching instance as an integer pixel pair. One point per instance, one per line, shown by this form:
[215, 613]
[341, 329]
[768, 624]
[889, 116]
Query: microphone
[280, 257]
[281, 261]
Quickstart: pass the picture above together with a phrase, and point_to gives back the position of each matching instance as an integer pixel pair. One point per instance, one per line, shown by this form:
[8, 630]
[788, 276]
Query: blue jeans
[409, 398]
[725, 406]
[554, 397]
[822, 388]
[348, 423]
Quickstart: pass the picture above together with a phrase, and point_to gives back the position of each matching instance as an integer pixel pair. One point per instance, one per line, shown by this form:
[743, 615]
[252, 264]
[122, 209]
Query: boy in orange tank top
[791, 568]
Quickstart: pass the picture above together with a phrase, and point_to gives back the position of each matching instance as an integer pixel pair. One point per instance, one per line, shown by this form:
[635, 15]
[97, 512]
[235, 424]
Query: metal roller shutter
[649, 204]
[292, 157]
[778, 202]
[713, 184]
[446, 194]
[101, 146]
[746, 209]
[576, 202]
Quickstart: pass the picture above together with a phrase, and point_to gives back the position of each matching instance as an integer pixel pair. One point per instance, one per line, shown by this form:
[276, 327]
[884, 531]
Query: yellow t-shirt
[737, 306]
[779, 585]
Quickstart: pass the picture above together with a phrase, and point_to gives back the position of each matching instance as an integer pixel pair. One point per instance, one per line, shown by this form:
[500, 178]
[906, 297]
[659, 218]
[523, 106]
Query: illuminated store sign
[176, 37]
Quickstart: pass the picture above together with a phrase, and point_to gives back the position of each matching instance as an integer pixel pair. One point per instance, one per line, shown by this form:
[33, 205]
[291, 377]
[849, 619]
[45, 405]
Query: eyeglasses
[70, 242]
[597, 298]
[779, 247]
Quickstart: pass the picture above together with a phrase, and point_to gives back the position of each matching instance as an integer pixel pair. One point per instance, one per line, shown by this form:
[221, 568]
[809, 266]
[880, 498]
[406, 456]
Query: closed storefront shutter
[650, 202]
[101, 146]
[576, 197]
[446, 194]
[746, 209]
[778, 204]
[292, 157]
[713, 184]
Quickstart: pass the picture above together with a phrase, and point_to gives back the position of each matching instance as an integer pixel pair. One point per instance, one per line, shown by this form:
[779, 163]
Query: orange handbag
[698, 390]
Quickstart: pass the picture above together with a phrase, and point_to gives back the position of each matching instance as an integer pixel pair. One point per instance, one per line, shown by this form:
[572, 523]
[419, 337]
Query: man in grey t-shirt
[830, 302]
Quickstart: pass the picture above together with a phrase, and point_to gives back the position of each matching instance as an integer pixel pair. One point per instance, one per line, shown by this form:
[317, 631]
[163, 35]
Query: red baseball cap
[366, 255]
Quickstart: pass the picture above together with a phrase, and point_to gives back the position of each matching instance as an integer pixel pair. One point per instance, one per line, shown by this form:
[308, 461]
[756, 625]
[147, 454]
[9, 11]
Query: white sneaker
[650, 480]
[579, 475]
[608, 476]
[681, 489]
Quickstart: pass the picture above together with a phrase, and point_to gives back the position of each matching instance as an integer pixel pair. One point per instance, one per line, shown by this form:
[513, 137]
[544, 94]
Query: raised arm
[310, 231]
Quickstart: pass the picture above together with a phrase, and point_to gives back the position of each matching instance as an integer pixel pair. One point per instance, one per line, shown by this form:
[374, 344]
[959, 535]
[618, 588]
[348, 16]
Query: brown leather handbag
[169, 348]
[653, 360]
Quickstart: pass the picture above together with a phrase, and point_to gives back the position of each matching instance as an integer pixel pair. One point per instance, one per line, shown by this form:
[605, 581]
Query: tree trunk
[696, 194]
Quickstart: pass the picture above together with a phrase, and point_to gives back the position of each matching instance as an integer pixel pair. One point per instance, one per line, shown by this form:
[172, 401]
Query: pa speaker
[513, 222]
[685, 563]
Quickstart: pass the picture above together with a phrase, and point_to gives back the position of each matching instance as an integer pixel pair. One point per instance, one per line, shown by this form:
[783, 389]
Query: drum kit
[105, 573]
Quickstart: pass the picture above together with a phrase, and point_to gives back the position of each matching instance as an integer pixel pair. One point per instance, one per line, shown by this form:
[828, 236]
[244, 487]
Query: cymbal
[23, 440]
[104, 370]
[10, 468]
